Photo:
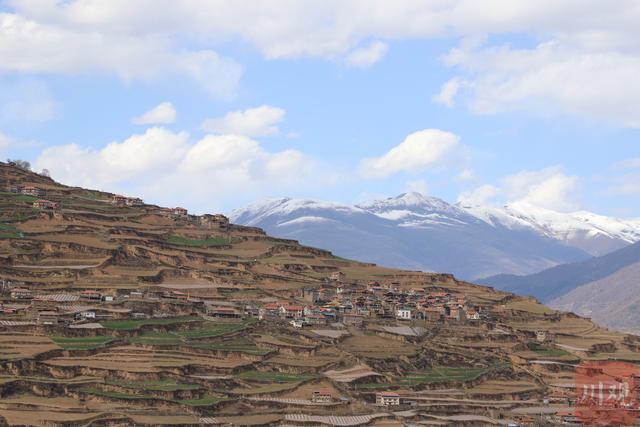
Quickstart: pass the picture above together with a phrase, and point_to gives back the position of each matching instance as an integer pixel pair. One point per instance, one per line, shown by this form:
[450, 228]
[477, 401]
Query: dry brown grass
[376, 347]
[23, 346]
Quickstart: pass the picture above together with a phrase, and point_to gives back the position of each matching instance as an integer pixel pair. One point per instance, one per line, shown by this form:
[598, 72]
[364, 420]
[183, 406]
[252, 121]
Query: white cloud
[259, 121]
[479, 196]
[548, 188]
[167, 168]
[448, 92]
[418, 186]
[367, 56]
[220, 151]
[117, 162]
[552, 78]
[157, 147]
[30, 46]
[584, 65]
[163, 113]
[420, 150]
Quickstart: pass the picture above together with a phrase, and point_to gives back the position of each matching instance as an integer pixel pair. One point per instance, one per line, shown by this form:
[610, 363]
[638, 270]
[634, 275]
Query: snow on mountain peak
[256, 212]
[557, 225]
[415, 200]
[419, 211]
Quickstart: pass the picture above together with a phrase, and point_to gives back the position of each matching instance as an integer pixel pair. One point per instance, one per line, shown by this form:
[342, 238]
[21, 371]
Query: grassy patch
[549, 352]
[157, 338]
[113, 394]
[166, 385]
[266, 388]
[18, 197]
[82, 343]
[101, 207]
[9, 231]
[210, 241]
[136, 324]
[203, 401]
[277, 377]
[209, 330]
[430, 376]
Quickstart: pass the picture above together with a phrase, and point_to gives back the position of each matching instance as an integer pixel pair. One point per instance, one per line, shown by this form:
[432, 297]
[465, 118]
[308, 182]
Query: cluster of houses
[331, 302]
[352, 304]
[55, 308]
[124, 201]
[27, 190]
[30, 190]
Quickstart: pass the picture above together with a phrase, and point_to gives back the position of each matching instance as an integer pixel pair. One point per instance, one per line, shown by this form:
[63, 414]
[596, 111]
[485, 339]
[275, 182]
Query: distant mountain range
[606, 288]
[419, 232]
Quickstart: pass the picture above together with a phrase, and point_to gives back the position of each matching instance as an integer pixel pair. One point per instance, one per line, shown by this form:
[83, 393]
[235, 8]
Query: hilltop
[114, 311]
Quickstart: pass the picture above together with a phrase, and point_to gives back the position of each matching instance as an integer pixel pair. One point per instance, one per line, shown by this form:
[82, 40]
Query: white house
[387, 399]
[86, 315]
[403, 314]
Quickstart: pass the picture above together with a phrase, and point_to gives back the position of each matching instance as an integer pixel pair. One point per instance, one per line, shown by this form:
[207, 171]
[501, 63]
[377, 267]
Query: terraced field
[179, 330]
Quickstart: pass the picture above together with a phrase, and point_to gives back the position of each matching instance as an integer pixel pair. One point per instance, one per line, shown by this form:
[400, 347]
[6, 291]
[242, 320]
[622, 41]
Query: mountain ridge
[402, 232]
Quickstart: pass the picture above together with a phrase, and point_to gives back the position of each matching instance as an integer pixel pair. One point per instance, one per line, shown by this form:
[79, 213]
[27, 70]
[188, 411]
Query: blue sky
[488, 107]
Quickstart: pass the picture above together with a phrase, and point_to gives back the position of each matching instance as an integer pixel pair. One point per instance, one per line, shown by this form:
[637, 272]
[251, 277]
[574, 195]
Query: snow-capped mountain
[417, 210]
[595, 234]
[419, 232]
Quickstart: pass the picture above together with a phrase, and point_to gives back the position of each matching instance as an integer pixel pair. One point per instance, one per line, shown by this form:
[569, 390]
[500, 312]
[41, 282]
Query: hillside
[412, 231]
[117, 312]
[612, 301]
[560, 280]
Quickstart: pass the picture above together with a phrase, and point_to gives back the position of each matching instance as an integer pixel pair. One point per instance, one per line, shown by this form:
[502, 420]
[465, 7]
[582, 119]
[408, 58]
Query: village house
[269, 310]
[387, 399]
[133, 201]
[315, 319]
[32, 191]
[21, 293]
[472, 314]
[321, 396]
[403, 314]
[48, 317]
[119, 201]
[45, 204]
[176, 295]
[180, 212]
[91, 295]
[456, 313]
[214, 221]
[292, 311]
[84, 315]
[337, 276]
[434, 314]
[545, 336]
[251, 311]
[223, 312]
[297, 323]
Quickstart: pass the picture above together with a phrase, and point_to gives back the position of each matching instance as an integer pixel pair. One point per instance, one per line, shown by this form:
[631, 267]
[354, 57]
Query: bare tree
[22, 164]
